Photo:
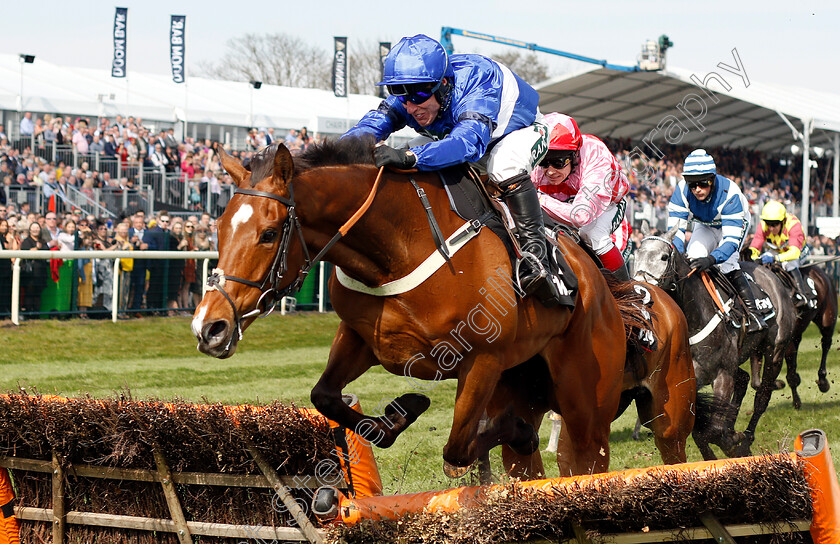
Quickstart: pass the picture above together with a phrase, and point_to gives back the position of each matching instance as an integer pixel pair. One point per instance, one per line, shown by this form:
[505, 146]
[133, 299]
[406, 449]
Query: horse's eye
[664, 257]
[268, 236]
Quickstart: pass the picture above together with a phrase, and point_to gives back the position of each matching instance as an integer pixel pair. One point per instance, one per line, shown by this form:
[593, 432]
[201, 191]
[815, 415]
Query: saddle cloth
[471, 203]
[734, 312]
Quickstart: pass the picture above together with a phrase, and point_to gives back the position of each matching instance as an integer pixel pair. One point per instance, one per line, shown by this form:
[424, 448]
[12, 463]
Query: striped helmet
[699, 164]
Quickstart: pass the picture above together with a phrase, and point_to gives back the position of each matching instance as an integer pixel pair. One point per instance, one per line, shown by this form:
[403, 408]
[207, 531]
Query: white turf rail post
[322, 299]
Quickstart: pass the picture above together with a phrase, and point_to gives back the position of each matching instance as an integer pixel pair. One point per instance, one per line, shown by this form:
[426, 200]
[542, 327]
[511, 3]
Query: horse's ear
[644, 228]
[671, 233]
[284, 167]
[232, 166]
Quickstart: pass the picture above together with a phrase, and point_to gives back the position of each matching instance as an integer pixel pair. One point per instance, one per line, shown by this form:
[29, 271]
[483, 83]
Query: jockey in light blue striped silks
[721, 218]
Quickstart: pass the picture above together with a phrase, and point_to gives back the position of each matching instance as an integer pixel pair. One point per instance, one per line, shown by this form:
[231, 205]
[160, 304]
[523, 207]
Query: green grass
[281, 357]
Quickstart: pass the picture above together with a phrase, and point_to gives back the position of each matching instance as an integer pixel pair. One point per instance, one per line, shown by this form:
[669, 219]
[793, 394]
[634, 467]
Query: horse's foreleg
[476, 385]
[728, 388]
[669, 409]
[793, 378]
[827, 331]
[588, 401]
[772, 366]
[350, 357]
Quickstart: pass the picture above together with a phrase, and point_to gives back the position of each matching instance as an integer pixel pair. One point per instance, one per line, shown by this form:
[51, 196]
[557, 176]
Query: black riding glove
[403, 159]
[703, 263]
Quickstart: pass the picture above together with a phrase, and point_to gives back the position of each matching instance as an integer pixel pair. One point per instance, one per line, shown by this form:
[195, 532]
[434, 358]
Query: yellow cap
[773, 211]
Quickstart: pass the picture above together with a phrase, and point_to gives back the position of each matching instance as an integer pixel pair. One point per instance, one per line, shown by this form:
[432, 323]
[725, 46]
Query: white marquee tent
[47, 87]
[678, 106]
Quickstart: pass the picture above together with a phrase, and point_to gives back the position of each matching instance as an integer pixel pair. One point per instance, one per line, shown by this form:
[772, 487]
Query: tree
[365, 71]
[276, 59]
[525, 65]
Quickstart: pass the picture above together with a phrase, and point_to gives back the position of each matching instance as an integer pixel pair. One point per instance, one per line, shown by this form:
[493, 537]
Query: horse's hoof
[452, 471]
[408, 406]
[797, 404]
[530, 444]
[824, 385]
[778, 384]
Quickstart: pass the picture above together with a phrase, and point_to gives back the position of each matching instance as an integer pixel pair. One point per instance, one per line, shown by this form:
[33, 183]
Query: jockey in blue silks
[721, 217]
[468, 108]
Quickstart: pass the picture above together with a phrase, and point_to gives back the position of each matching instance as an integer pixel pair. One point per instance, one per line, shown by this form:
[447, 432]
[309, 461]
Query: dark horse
[513, 358]
[717, 348]
[824, 316]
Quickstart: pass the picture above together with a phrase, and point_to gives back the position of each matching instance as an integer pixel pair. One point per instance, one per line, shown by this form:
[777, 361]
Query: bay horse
[512, 357]
[719, 350]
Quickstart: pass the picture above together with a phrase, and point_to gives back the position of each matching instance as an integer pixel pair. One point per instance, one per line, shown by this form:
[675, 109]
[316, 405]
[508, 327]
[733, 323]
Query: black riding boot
[520, 195]
[622, 274]
[755, 323]
[806, 296]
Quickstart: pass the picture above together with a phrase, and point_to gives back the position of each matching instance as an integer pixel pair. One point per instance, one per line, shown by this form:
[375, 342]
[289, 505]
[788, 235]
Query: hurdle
[58, 487]
[813, 488]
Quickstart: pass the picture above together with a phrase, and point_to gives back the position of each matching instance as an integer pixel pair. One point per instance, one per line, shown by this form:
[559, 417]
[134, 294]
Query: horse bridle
[270, 284]
[670, 270]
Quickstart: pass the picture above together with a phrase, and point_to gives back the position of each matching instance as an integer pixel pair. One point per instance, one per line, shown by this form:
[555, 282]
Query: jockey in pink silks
[581, 185]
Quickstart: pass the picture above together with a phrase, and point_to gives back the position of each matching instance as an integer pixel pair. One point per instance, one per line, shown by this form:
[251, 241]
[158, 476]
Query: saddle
[734, 311]
[790, 282]
[470, 200]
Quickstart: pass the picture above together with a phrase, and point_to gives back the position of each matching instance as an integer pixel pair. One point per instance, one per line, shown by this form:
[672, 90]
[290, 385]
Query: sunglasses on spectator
[556, 162]
[416, 93]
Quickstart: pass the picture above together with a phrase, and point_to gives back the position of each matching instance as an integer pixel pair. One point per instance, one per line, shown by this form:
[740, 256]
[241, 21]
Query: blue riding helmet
[416, 59]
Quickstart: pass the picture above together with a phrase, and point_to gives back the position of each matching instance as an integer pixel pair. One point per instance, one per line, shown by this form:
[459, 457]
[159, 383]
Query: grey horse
[717, 347]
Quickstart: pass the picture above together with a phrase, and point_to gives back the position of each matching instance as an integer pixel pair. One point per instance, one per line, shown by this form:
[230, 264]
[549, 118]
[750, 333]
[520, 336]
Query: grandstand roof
[49, 87]
[616, 104]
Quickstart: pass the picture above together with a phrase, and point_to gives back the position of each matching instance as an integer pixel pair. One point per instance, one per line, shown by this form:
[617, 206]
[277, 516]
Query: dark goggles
[771, 223]
[416, 93]
[556, 162]
[703, 183]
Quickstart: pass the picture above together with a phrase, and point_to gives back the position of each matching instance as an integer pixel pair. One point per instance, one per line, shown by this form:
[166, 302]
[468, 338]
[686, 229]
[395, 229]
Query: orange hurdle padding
[9, 526]
[822, 479]
[812, 447]
[355, 455]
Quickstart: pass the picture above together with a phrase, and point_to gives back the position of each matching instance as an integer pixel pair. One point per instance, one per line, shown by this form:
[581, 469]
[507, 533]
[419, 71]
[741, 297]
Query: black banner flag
[384, 49]
[339, 74]
[177, 47]
[118, 66]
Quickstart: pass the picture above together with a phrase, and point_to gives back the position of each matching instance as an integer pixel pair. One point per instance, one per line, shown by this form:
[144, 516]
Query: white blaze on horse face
[242, 215]
[198, 321]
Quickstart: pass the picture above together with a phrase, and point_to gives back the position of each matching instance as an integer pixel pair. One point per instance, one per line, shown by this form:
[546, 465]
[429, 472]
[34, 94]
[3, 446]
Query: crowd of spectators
[147, 286]
[762, 177]
[129, 143]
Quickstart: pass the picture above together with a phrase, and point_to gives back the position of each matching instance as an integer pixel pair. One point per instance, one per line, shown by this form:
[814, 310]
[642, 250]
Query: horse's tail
[631, 304]
[710, 411]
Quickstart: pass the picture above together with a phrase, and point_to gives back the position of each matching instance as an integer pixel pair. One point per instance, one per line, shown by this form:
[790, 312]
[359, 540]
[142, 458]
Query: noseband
[670, 270]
